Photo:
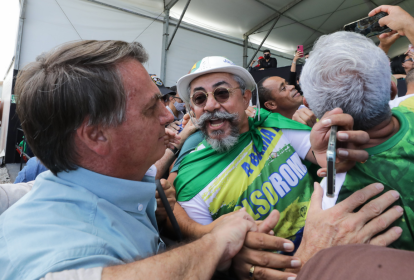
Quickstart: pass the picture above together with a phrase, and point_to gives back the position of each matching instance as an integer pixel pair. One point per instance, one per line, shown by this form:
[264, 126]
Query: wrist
[294, 62]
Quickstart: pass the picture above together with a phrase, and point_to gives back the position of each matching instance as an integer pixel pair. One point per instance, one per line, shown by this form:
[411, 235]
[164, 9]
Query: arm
[11, 193]
[398, 20]
[197, 260]
[293, 67]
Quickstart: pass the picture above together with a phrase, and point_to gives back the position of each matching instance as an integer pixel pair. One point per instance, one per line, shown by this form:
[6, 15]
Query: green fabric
[213, 163]
[392, 164]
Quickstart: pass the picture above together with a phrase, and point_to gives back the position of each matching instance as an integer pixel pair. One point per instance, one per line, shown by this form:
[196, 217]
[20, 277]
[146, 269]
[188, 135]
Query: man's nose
[166, 117]
[211, 104]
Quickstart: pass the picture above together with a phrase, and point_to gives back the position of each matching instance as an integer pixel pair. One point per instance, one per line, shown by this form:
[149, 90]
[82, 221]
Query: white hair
[348, 71]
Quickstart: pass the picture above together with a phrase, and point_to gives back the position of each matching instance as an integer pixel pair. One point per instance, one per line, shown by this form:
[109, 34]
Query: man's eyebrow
[199, 88]
[221, 83]
[157, 96]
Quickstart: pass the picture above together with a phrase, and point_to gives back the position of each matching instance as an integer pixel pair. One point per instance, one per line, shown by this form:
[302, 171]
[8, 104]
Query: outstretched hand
[340, 225]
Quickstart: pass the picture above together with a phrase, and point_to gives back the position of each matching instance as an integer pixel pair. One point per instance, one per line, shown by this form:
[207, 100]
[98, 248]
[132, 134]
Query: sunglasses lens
[199, 98]
[221, 95]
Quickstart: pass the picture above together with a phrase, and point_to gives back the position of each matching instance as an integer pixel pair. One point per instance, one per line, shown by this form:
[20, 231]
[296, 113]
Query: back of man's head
[66, 86]
[348, 71]
[409, 79]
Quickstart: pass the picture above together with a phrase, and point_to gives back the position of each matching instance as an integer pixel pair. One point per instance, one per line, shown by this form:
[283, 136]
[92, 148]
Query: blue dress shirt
[78, 219]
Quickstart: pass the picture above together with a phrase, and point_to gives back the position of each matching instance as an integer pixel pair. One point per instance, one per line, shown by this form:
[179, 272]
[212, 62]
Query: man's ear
[94, 137]
[246, 98]
[270, 105]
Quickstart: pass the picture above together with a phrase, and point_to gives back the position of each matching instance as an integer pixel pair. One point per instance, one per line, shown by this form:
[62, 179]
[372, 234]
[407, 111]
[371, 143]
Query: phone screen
[368, 26]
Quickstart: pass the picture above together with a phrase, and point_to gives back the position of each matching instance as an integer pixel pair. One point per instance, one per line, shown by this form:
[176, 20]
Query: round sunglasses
[220, 94]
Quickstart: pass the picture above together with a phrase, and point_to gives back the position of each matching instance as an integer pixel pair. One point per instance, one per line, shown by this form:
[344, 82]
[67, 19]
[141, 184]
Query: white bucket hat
[213, 64]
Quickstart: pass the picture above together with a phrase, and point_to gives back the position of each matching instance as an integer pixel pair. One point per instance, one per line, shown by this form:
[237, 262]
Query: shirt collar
[131, 196]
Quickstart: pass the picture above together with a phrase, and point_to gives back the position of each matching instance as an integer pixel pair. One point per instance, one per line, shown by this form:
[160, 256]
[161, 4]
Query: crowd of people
[246, 182]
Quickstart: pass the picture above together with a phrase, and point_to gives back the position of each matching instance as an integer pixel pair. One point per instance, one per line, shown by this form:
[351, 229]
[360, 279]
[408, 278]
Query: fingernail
[323, 174]
[399, 209]
[291, 278]
[398, 230]
[295, 263]
[343, 153]
[379, 187]
[271, 232]
[395, 194]
[343, 136]
[288, 246]
[327, 122]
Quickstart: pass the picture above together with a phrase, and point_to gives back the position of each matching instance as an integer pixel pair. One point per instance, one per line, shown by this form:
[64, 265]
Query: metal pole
[19, 36]
[246, 39]
[264, 39]
[164, 45]
[178, 24]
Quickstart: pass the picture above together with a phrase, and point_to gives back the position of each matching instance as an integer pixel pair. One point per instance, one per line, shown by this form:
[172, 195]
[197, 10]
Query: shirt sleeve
[299, 139]
[11, 193]
[197, 210]
[75, 274]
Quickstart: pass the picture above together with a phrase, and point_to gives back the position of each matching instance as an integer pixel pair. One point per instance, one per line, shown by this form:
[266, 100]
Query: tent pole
[164, 44]
[245, 41]
[178, 24]
[19, 36]
[264, 39]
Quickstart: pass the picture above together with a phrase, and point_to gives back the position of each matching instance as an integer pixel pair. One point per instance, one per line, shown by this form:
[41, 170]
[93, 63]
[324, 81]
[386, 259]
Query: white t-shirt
[198, 209]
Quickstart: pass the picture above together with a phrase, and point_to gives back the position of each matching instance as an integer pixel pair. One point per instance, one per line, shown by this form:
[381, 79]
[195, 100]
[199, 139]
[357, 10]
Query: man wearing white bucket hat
[251, 163]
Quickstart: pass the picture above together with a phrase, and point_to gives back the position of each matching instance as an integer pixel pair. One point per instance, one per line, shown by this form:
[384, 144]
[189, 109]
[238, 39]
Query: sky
[9, 21]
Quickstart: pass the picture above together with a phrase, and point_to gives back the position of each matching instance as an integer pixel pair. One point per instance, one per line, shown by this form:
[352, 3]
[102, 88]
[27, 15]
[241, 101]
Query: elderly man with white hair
[356, 78]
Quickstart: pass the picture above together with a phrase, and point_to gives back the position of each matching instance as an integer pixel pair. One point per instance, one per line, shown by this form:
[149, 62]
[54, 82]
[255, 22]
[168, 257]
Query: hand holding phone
[300, 49]
[331, 158]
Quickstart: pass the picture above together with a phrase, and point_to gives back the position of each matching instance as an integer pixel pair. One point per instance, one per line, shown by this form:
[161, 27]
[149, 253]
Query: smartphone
[300, 49]
[331, 158]
[368, 26]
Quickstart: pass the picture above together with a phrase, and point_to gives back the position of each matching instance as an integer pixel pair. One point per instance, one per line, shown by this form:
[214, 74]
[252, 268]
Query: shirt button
[140, 207]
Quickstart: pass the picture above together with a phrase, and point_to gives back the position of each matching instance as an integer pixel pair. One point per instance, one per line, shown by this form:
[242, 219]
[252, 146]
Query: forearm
[164, 163]
[189, 227]
[293, 67]
[197, 260]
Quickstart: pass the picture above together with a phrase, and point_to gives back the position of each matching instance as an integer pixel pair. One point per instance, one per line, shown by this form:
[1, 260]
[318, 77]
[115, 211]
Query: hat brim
[185, 81]
[165, 91]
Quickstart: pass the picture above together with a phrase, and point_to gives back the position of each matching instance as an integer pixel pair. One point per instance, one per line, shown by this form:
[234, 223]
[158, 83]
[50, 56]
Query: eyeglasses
[410, 59]
[220, 94]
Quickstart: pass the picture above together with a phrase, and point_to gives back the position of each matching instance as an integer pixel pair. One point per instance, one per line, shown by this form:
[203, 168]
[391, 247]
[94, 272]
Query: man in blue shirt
[95, 119]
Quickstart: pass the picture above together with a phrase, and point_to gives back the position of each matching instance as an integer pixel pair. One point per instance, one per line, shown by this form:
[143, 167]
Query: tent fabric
[50, 23]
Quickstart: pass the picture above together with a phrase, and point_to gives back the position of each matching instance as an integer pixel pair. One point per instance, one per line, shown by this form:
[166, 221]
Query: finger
[342, 166]
[352, 155]
[357, 137]
[359, 197]
[268, 273]
[263, 241]
[345, 121]
[375, 207]
[157, 195]
[316, 199]
[383, 8]
[242, 213]
[381, 223]
[270, 222]
[268, 259]
[387, 238]
[322, 172]
[165, 184]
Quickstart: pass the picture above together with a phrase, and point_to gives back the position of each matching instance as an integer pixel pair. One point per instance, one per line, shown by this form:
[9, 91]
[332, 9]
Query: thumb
[316, 199]
[270, 222]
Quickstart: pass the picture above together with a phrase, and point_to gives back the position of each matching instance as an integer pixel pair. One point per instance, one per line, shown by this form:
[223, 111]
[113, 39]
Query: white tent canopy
[213, 27]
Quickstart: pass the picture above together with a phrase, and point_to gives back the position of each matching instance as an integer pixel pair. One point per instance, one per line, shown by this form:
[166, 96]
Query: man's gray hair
[348, 71]
[238, 79]
[57, 92]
